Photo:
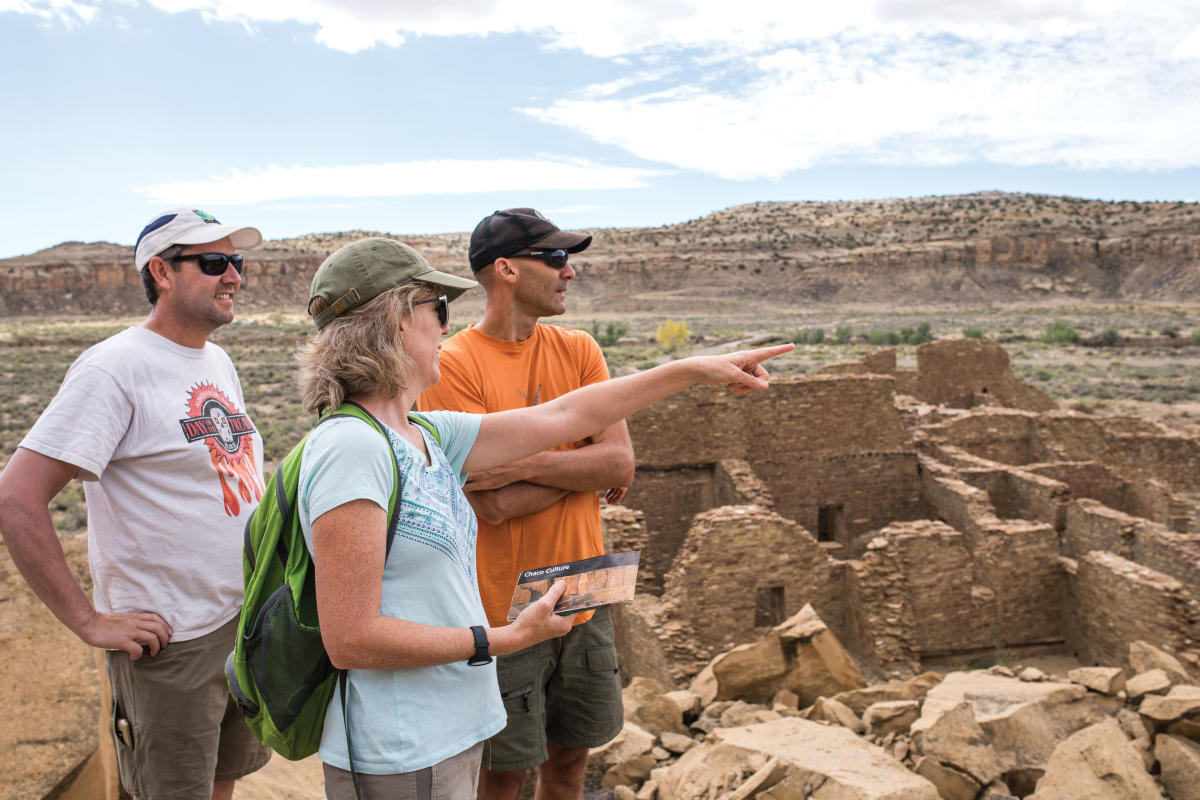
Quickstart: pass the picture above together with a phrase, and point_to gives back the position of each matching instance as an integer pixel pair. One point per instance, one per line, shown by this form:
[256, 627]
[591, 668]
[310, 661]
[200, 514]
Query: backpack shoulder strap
[418, 419]
[350, 409]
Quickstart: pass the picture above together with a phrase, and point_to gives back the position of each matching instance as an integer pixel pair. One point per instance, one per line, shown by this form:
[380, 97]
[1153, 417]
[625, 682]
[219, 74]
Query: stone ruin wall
[960, 537]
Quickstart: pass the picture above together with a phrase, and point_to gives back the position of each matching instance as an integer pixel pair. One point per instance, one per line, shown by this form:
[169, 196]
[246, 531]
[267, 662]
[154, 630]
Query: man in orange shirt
[563, 696]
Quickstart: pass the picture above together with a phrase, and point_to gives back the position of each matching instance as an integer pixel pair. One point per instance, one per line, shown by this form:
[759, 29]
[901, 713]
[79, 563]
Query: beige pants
[456, 778]
[176, 727]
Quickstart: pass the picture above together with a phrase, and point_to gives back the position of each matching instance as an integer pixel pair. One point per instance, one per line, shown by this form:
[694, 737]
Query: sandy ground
[50, 692]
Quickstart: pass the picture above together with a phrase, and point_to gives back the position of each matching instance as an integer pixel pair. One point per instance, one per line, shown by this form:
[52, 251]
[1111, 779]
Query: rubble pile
[790, 716]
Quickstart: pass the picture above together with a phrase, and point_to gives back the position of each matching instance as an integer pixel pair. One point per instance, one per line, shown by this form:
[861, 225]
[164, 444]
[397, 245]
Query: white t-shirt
[172, 469]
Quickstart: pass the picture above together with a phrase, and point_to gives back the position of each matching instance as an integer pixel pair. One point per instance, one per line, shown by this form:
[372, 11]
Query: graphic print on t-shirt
[227, 432]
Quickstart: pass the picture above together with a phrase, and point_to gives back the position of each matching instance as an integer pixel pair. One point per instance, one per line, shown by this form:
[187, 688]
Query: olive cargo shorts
[563, 690]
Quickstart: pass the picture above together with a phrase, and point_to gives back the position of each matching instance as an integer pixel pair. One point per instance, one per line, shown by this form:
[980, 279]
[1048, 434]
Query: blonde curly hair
[360, 351]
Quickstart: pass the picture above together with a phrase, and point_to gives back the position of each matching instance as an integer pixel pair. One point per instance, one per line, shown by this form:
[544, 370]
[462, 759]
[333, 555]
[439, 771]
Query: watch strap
[481, 656]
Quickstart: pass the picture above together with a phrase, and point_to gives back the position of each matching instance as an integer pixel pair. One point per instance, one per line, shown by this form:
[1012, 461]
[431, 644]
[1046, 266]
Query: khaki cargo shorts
[176, 727]
[563, 690]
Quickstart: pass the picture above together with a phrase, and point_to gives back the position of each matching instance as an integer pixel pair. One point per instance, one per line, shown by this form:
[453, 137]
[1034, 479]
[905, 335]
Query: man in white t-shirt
[152, 420]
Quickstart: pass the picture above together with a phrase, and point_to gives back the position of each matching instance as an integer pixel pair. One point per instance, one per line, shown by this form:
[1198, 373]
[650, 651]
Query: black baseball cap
[508, 232]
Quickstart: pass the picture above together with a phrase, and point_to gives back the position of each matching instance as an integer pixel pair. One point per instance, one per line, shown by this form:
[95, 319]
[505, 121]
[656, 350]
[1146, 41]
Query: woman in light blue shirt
[409, 625]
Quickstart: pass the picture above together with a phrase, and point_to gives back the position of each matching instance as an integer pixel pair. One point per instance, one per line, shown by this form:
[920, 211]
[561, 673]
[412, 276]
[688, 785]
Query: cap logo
[205, 216]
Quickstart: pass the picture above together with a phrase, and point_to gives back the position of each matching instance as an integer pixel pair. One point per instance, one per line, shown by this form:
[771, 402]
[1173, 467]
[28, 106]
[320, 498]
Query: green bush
[1110, 337]
[844, 334]
[1060, 332]
[1196, 337]
[613, 331]
[816, 336]
[924, 333]
[973, 333]
[880, 337]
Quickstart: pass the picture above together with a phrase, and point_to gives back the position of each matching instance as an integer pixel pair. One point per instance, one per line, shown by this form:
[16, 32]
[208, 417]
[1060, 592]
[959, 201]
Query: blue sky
[408, 117]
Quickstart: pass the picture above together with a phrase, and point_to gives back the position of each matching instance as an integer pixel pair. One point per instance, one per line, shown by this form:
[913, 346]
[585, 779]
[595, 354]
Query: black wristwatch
[481, 656]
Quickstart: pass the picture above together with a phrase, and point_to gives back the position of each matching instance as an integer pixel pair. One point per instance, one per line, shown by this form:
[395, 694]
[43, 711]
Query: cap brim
[453, 284]
[242, 238]
[564, 240]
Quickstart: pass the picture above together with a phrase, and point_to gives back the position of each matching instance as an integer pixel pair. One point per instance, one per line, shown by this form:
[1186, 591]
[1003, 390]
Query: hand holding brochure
[591, 583]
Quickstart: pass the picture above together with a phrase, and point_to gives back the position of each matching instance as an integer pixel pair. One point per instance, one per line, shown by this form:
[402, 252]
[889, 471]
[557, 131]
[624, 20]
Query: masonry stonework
[917, 531]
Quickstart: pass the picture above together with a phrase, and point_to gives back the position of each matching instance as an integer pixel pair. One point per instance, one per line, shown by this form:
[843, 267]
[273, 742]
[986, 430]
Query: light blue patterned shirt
[405, 720]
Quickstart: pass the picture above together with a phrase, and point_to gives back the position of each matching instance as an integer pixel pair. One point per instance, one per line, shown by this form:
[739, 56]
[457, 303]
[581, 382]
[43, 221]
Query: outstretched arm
[507, 435]
[27, 485]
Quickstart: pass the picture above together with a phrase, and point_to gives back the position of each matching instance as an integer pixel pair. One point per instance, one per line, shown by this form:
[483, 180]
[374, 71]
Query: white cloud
[1189, 47]
[760, 88]
[65, 12]
[1097, 98]
[397, 179]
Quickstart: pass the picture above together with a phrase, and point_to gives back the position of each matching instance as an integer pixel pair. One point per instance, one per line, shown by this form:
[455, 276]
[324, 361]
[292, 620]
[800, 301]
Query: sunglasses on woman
[442, 308]
[554, 258]
[214, 263]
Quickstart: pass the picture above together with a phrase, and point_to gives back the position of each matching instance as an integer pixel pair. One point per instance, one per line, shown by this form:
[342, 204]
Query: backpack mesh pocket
[274, 646]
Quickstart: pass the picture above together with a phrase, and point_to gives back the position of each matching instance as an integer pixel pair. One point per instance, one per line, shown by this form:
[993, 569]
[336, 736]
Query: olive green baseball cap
[365, 269]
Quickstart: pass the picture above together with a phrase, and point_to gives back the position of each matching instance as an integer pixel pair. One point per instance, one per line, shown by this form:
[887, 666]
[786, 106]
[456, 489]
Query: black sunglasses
[555, 258]
[442, 308]
[214, 263]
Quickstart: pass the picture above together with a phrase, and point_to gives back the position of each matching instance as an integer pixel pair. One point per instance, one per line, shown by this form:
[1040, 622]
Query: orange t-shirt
[481, 374]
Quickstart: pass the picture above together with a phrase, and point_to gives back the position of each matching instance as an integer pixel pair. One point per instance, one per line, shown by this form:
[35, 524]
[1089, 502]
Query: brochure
[591, 583]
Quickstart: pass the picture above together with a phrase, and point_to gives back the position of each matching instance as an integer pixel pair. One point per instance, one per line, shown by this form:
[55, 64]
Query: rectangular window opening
[768, 607]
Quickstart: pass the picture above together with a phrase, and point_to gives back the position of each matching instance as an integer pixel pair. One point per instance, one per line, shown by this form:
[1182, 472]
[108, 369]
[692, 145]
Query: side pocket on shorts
[517, 699]
[123, 734]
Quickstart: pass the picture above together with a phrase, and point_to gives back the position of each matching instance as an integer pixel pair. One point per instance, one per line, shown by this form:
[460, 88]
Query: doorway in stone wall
[831, 523]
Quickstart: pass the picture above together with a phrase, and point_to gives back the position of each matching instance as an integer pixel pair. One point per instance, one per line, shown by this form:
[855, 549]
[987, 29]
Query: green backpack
[278, 672]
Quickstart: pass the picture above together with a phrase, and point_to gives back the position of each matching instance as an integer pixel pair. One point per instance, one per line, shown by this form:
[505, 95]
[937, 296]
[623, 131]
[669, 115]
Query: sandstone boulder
[704, 685]
[891, 716]
[811, 755]
[1179, 759]
[955, 739]
[1155, 681]
[677, 743]
[951, 783]
[750, 672]
[632, 772]
[1181, 702]
[1105, 680]
[687, 701]
[817, 664]
[708, 770]
[914, 688]
[827, 710]
[1023, 722]
[631, 743]
[1098, 763]
[647, 707]
[1144, 657]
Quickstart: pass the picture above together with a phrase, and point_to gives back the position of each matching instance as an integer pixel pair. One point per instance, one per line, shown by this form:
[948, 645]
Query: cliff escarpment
[973, 249]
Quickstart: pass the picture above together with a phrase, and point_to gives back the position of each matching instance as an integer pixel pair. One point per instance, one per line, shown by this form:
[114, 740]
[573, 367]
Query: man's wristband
[481, 656]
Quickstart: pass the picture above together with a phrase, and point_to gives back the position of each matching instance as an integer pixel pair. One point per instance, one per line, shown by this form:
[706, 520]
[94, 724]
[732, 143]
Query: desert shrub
[1060, 332]
[613, 331]
[924, 333]
[973, 333]
[1170, 331]
[879, 337]
[672, 335]
[1110, 337]
[1196, 337]
[816, 336]
[843, 334]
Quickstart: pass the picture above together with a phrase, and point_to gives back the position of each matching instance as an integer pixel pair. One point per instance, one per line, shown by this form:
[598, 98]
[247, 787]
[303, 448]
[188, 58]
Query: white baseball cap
[188, 226]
